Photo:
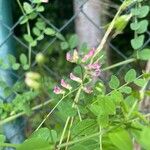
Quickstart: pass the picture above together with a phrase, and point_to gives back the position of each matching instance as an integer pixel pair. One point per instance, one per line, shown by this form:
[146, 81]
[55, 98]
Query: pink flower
[96, 73]
[68, 57]
[44, 1]
[58, 90]
[75, 78]
[87, 89]
[87, 56]
[65, 85]
[72, 58]
[94, 66]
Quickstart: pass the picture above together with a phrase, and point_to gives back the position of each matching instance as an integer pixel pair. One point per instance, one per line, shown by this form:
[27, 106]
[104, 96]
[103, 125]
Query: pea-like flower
[58, 90]
[65, 85]
[75, 78]
[72, 57]
[89, 55]
[88, 89]
[94, 66]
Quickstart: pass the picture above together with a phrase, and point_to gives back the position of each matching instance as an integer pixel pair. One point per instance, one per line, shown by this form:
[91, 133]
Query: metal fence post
[13, 131]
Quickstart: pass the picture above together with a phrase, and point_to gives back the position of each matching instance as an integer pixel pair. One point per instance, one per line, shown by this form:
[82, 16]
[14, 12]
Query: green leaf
[116, 96]
[11, 59]
[130, 75]
[84, 127]
[137, 42]
[40, 9]
[126, 89]
[45, 134]
[32, 15]
[23, 59]
[114, 82]
[2, 138]
[64, 45]
[143, 26]
[73, 41]
[135, 25]
[33, 43]
[49, 31]
[144, 54]
[143, 11]
[60, 36]
[40, 24]
[36, 1]
[28, 38]
[121, 139]
[26, 67]
[35, 144]
[104, 106]
[65, 110]
[40, 37]
[36, 31]
[103, 120]
[27, 7]
[16, 66]
[145, 136]
[140, 82]
[24, 19]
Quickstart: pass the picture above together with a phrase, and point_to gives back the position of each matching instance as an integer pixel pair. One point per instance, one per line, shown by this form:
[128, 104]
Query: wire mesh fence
[11, 33]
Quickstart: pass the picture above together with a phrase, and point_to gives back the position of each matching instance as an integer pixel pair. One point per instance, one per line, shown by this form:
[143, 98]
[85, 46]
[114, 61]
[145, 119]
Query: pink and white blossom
[75, 78]
[88, 89]
[72, 57]
[65, 85]
[94, 66]
[58, 90]
[89, 55]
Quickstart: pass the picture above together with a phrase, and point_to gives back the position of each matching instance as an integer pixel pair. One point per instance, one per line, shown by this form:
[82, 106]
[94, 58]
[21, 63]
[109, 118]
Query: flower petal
[58, 90]
[65, 85]
[89, 55]
[75, 78]
[87, 89]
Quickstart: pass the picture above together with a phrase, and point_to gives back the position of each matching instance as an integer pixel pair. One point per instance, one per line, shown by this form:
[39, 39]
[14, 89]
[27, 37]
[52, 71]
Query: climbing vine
[84, 112]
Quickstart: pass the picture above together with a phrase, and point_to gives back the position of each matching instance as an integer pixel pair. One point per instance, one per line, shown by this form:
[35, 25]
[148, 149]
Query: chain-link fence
[9, 39]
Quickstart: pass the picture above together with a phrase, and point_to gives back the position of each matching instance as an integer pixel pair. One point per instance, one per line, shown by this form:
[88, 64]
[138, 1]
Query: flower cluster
[92, 69]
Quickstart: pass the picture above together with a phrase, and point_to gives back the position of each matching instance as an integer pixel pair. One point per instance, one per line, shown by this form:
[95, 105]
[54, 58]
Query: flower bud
[72, 57]
[65, 85]
[33, 75]
[89, 55]
[75, 78]
[40, 59]
[32, 83]
[58, 90]
[87, 89]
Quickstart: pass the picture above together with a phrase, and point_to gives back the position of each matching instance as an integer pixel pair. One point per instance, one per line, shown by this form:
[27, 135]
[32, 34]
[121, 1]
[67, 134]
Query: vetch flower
[72, 57]
[75, 78]
[32, 84]
[96, 73]
[65, 85]
[58, 90]
[87, 89]
[94, 66]
[89, 55]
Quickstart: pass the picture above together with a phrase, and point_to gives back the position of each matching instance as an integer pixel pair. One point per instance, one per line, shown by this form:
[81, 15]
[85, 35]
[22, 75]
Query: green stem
[55, 107]
[100, 139]
[119, 64]
[33, 109]
[8, 145]
[87, 137]
[28, 31]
